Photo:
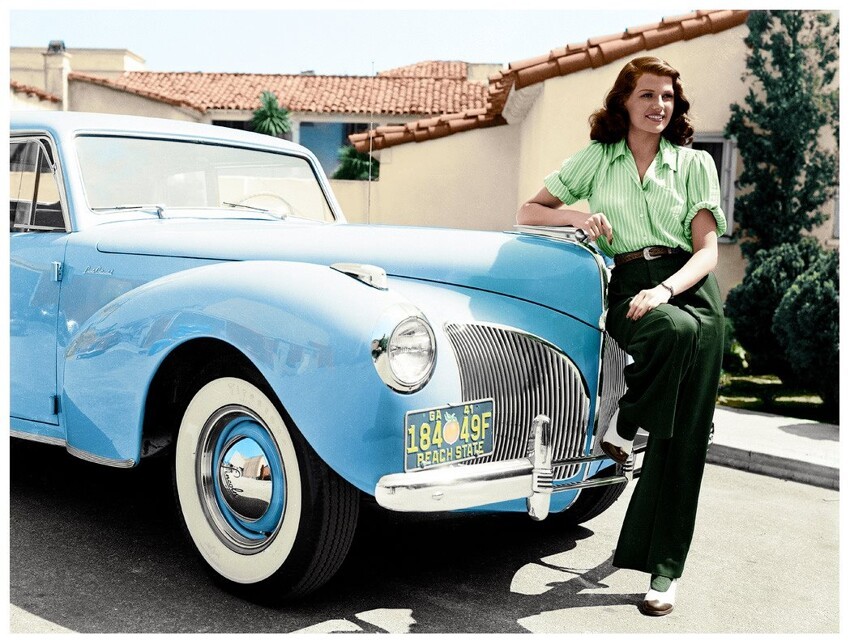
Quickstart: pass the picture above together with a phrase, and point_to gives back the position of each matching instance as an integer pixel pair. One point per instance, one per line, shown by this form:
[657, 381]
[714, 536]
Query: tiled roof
[29, 90]
[593, 53]
[430, 69]
[300, 93]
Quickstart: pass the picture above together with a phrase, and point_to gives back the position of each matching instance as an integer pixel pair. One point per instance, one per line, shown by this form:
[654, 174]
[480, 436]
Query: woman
[656, 210]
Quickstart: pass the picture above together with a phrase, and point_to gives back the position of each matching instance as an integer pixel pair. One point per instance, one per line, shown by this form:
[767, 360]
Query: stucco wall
[88, 97]
[354, 198]
[20, 101]
[463, 181]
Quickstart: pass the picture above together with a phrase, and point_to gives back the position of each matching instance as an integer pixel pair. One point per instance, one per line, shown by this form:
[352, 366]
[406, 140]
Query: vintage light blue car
[194, 292]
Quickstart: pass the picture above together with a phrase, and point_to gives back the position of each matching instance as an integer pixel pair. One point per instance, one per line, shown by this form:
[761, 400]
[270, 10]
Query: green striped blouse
[656, 212]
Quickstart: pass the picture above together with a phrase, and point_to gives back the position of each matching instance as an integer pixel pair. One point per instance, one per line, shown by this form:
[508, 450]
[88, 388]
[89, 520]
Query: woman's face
[650, 105]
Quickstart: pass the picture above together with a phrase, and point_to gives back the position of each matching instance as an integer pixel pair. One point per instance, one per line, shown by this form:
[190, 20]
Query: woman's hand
[597, 225]
[646, 300]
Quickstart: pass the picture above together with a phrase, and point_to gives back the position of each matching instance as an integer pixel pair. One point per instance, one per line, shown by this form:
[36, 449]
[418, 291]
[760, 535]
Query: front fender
[307, 328]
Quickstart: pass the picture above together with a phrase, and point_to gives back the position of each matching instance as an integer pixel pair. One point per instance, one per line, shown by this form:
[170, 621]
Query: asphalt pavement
[792, 449]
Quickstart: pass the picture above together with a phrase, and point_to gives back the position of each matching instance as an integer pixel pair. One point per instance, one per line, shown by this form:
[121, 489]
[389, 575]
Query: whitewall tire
[262, 510]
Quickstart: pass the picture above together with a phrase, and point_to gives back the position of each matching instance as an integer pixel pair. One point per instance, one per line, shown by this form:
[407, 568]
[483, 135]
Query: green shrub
[806, 326]
[752, 304]
[356, 166]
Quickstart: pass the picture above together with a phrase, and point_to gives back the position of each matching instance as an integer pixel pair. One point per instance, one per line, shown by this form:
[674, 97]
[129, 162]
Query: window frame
[835, 214]
[48, 150]
[727, 174]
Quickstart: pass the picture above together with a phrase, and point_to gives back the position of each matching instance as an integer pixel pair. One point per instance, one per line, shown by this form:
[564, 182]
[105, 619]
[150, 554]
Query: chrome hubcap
[244, 478]
[241, 479]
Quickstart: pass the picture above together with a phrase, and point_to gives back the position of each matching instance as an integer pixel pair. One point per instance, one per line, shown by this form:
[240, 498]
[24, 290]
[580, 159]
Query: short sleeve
[703, 192]
[574, 181]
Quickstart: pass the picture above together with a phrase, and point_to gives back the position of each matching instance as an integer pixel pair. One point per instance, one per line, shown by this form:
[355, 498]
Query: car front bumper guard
[459, 487]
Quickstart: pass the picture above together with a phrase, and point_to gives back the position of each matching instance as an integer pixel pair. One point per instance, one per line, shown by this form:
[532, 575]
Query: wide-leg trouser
[672, 388]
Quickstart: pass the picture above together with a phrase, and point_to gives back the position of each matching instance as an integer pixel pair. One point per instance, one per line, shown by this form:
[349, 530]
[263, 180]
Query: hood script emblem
[98, 270]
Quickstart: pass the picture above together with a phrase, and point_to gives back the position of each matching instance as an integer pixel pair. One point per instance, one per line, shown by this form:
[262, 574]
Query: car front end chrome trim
[459, 487]
[527, 376]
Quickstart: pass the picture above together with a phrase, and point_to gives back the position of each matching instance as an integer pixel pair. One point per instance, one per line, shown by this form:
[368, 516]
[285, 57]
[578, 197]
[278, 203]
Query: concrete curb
[775, 466]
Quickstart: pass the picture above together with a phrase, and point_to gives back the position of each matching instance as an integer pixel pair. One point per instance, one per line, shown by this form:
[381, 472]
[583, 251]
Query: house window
[236, 125]
[247, 126]
[725, 155]
[324, 139]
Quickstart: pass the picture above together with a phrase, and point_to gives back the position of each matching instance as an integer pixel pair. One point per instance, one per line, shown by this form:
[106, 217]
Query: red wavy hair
[611, 123]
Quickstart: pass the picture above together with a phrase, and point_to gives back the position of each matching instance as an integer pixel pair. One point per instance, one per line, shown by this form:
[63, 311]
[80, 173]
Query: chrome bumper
[468, 486]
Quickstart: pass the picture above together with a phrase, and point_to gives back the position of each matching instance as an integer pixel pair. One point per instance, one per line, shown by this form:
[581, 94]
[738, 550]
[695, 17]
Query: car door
[38, 226]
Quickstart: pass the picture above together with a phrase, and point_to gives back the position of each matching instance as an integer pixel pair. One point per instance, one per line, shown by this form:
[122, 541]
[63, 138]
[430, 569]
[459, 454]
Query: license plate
[449, 434]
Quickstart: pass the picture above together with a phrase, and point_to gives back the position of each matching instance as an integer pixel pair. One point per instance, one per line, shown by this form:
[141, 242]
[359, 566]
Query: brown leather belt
[648, 253]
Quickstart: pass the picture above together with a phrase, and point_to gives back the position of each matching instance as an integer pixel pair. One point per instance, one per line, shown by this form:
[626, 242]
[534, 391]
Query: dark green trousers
[672, 388]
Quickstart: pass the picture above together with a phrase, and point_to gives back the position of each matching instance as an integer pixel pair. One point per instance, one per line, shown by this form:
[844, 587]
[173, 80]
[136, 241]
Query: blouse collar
[668, 151]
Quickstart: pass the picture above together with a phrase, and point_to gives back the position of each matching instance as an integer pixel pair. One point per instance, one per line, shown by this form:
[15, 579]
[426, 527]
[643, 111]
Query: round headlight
[405, 358]
[411, 351]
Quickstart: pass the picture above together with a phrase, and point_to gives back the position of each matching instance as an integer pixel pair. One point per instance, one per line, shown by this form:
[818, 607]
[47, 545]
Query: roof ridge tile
[680, 18]
[31, 90]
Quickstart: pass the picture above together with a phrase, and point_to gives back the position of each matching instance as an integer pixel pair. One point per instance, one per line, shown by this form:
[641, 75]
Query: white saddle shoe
[615, 446]
[657, 604]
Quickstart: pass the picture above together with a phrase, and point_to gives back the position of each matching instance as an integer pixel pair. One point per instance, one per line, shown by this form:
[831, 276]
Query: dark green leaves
[270, 118]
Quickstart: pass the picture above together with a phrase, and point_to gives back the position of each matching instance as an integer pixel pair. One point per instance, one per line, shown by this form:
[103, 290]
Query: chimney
[57, 65]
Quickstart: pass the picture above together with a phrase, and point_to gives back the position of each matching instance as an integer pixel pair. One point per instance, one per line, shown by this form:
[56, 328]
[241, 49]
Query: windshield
[126, 172]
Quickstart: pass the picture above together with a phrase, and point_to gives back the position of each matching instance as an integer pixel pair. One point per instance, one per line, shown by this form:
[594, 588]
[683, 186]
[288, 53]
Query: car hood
[556, 274]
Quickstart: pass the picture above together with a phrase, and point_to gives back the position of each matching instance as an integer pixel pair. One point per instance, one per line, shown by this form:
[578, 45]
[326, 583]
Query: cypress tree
[792, 102]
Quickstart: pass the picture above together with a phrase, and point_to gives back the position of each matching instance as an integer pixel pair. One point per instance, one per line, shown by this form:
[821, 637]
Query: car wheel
[264, 512]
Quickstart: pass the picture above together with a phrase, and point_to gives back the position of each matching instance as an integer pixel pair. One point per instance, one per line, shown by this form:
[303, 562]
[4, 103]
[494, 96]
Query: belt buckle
[647, 256]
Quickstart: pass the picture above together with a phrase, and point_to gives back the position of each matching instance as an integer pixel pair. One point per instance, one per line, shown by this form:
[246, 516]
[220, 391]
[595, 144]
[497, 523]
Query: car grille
[613, 384]
[525, 376]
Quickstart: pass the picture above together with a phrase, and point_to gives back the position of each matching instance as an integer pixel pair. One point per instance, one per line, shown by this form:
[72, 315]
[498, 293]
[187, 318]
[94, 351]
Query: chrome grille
[525, 376]
[612, 383]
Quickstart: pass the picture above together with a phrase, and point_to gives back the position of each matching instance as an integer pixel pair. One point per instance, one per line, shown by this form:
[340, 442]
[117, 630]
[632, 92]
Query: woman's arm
[544, 209]
[701, 263]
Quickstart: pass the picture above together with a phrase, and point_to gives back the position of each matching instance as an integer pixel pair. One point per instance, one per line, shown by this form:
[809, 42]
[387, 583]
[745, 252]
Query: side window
[725, 156]
[34, 203]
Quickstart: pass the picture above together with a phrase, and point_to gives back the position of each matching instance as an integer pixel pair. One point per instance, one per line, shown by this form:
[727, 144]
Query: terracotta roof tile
[668, 20]
[696, 27]
[662, 36]
[561, 61]
[430, 69]
[641, 28]
[598, 40]
[622, 47]
[722, 20]
[301, 93]
[29, 90]
[573, 62]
